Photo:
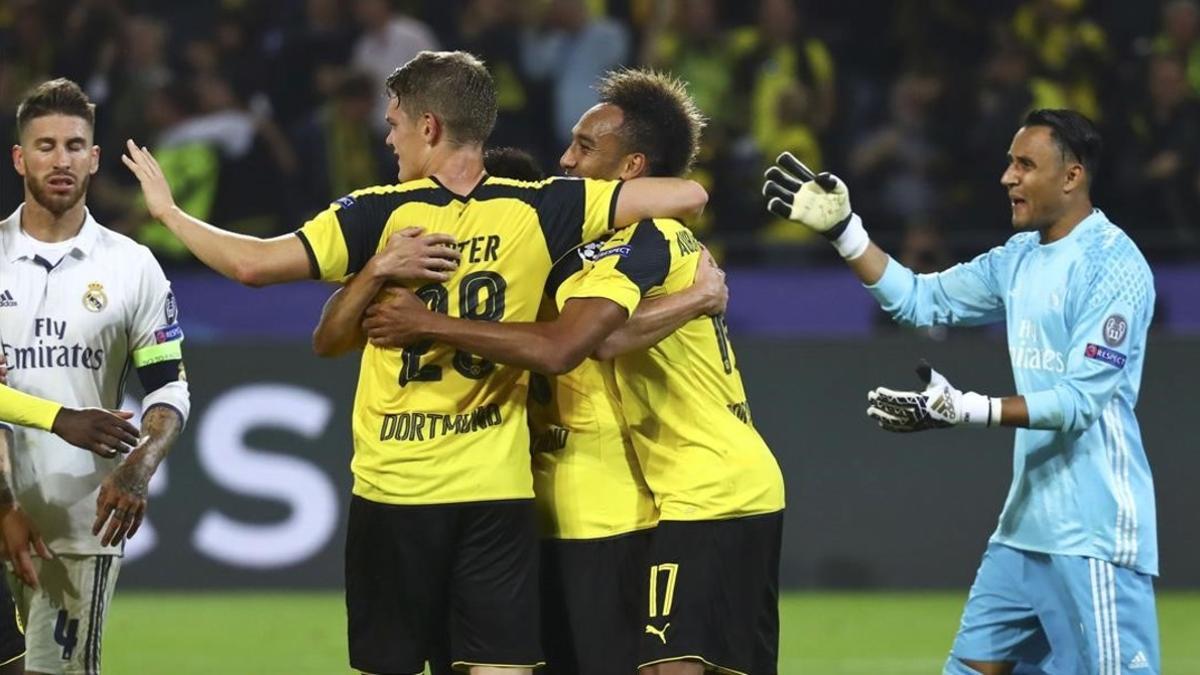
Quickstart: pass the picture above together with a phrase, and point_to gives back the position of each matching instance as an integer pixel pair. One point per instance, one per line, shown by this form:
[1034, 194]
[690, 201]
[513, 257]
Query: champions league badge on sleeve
[95, 299]
[590, 251]
[168, 333]
[595, 251]
[171, 309]
[1112, 357]
[622, 251]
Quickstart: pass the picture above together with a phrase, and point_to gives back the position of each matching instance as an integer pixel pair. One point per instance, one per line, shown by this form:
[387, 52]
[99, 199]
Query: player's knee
[956, 666]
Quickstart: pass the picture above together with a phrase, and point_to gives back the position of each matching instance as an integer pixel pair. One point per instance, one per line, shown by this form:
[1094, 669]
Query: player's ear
[431, 129]
[18, 159]
[95, 163]
[1076, 177]
[634, 165]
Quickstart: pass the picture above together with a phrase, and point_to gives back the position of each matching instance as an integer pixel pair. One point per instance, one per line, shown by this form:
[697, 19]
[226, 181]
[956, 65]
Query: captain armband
[163, 376]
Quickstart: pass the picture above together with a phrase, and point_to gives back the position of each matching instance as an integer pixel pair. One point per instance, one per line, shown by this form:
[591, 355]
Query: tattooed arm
[123, 492]
[21, 539]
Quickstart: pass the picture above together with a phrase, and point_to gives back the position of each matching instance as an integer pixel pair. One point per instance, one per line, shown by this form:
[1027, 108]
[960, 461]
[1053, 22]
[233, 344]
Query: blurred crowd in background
[263, 111]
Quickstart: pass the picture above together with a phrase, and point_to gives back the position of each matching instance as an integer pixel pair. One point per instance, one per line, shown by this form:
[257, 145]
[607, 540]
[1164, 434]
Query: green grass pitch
[302, 633]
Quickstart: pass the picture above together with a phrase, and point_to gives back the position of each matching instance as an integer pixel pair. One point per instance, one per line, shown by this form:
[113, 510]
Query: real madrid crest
[95, 299]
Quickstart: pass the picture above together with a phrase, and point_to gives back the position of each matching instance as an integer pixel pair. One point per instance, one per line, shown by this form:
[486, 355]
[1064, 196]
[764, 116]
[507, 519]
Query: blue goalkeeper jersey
[1077, 312]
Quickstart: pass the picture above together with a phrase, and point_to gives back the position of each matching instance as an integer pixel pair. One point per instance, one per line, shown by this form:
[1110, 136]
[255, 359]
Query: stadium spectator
[952, 33]
[337, 148]
[688, 41]
[571, 49]
[1167, 151]
[229, 53]
[491, 30]
[1001, 100]
[923, 250]
[126, 84]
[189, 157]
[899, 163]
[266, 164]
[784, 83]
[1180, 37]
[307, 60]
[788, 75]
[219, 157]
[389, 39]
[762, 71]
[1069, 49]
[28, 53]
[91, 34]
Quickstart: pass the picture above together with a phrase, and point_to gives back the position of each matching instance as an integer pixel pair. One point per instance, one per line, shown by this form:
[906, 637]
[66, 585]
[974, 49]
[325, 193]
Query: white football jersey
[71, 329]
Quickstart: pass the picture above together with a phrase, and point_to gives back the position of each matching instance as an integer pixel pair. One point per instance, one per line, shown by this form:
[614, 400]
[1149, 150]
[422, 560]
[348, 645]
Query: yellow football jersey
[682, 400]
[586, 477]
[434, 425]
[17, 407]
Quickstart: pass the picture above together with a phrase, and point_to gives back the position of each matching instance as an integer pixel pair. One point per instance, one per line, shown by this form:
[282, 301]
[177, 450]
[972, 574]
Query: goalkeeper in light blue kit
[1066, 582]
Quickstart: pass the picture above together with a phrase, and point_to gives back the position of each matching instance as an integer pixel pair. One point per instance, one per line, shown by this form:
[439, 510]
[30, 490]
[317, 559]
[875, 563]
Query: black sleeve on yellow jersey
[563, 212]
[360, 219]
[623, 268]
[363, 221]
[560, 214]
[569, 264]
[649, 257]
[570, 211]
[314, 268]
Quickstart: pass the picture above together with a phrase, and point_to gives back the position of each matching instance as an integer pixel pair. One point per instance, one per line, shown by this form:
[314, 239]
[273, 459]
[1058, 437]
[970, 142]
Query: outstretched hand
[938, 406]
[820, 202]
[104, 432]
[155, 188]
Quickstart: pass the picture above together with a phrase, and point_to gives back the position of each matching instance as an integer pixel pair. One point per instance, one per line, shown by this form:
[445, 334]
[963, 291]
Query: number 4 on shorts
[66, 631]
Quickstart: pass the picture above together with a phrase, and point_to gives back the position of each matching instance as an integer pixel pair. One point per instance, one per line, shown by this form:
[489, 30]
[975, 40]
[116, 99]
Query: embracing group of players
[619, 492]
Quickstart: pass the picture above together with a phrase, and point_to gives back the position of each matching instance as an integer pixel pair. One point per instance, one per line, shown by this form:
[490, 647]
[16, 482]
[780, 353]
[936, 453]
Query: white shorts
[64, 618]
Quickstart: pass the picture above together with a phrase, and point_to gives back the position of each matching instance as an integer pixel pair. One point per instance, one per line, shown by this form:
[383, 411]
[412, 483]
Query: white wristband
[174, 395]
[852, 242]
[979, 410]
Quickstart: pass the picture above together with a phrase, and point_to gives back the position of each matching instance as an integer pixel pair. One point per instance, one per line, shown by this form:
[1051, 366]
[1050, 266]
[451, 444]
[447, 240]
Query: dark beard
[55, 204]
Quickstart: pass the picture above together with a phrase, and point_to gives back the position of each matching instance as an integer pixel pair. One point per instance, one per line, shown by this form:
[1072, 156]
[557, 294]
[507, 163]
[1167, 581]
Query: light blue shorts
[1058, 614]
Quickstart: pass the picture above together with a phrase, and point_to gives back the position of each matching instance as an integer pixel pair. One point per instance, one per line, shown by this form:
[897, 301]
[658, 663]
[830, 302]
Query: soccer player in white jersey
[91, 302]
[1066, 582]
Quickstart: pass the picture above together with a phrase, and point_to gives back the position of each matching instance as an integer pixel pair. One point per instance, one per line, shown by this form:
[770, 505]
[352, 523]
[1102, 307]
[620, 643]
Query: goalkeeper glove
[820, 202]
[940, 405]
